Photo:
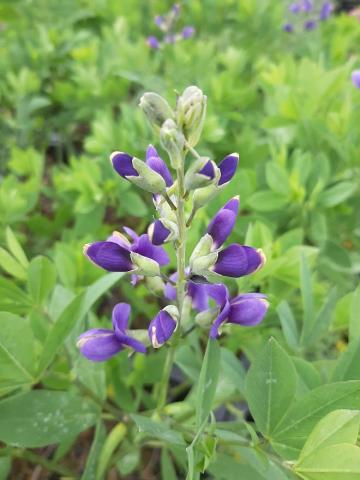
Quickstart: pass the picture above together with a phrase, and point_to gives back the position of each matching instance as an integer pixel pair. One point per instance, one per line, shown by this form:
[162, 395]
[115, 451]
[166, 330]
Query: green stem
[180, 285]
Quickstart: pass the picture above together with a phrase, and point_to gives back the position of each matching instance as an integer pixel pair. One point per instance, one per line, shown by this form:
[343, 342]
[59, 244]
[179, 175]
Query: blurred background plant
[71, 75]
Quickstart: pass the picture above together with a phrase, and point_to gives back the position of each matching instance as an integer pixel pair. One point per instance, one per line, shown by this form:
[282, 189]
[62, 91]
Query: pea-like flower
[152, 175]
[163, 326]
[246, 309]
[326, 10]
[118, 254]
[100, 344]
[223, 222]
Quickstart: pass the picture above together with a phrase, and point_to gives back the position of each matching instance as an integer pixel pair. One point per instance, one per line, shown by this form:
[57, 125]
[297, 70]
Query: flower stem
[180, 285]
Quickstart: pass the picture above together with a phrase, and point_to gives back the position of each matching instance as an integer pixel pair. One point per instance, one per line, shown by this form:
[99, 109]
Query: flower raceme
[174, 189]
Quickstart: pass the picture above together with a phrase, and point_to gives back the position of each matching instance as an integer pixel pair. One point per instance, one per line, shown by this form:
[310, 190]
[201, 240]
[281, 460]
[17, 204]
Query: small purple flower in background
[326, 10]
[307, 14]
[355, 78]
[288, 27]
[307, 5]
[100, 344]
[166, 23]
[310, 25]
[295, 8]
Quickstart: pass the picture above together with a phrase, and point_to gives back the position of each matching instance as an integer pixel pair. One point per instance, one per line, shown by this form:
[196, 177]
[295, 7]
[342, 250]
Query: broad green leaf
[93, 457]
[208, 379]
[5, 467]
[291, 434]
[277, 178]
[157, 429]
[336, 194]
[339, 426]
[72, 315]
[323, 319]
[347, 365]
[267, 201]
[15, 248]
[335, 462]
[288, 325]
[309, 377]
[42, 417]
[270, 386]
[11, 265]
[16, 351]
[111, 443]
[168, 471]
[41, 278]
[233, 369]
[307, 298]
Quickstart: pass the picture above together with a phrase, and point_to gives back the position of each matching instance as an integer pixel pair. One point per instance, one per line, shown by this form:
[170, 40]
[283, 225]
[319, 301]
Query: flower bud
[162, 231]
[144, 265]
[163, 326]
[173, 141]
[202, 258]
[156, 108]
[191, 111]
[205, 319]
[201, 173]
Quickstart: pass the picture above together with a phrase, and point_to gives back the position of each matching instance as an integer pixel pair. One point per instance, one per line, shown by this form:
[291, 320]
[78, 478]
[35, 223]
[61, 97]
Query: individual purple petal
[153, 42]
[238, 260]
[120, 239]
[161, 328]
[222, 317]
[197, 293]
[132, 234]
[288, 27]
[310, 25]
[144, 247]
[208, 170]
[120, 317]
[355, 78]
[218, 292]
[156, 163]
[248, 309]
[170, 290]
[325, 11]
[132, 343]
[122, 163]
[222, 225]
[233, 204]
[228, 168]
[99, 344]
[187, 32]
[158, 233]
[110, 256]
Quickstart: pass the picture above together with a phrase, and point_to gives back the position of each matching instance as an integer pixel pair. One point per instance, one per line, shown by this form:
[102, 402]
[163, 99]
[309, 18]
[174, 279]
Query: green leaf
[157, 429]
[15, 248]
[5, 467]
[168, 471]
[291, 434]
[336, 462]
[336, 194]
[267, 201]
[339, 426]
[41, 278]
[16, 351]
[288, 325]
[233, 369]
[114, 438]
[354, 324]
[307, 298]
[42, 417]
[72, 315]
[277, 178]
[11, 265]
[323, 319]
[347, 365]
[270, 386]
[93, 457]
[208, 379]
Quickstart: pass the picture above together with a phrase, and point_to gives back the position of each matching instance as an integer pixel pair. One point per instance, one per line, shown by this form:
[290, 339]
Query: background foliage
[71, 75]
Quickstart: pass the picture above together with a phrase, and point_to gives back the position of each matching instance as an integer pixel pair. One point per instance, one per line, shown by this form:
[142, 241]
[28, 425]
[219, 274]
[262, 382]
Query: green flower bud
[206, 318]
[148, 179]
[156, 108]
[191, 111]
[144, 265]
[172, 141]
[202, 258]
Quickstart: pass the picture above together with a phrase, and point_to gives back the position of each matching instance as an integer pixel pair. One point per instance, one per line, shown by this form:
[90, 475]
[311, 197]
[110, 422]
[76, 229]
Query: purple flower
[326, 10]
[153, 42]
[310, 25]
[228, 168]
[196, 291]
[100, 344]
[223, 222]
[295, 8]
[187, 32]
[157, 164]
[238, 260]
[161, 328]
[355, 77]
[159, 20]
[114, 254]
[288, 27]
[247, 309]
[307, 5]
